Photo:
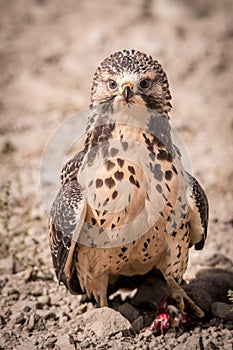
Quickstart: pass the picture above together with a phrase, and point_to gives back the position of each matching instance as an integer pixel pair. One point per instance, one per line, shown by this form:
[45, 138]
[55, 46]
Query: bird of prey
[126, 203]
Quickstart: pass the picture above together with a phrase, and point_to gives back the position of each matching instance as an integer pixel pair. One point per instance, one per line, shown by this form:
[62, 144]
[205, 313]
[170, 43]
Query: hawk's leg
[99, 290]
[179, 295]
[103, 301]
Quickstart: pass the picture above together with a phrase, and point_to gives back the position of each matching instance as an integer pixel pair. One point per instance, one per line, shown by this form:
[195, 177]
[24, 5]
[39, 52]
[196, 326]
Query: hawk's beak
[127, 91]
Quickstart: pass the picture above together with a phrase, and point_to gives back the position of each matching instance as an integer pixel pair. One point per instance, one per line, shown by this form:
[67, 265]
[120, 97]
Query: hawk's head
[128, 77]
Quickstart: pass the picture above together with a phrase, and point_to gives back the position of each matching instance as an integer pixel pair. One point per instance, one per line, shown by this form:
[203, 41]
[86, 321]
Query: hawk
[126, 204]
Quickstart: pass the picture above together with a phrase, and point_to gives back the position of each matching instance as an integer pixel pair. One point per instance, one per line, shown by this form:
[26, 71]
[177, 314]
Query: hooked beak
[127, 91]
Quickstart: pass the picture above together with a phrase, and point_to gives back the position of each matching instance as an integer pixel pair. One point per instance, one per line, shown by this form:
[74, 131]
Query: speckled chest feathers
[137, 207]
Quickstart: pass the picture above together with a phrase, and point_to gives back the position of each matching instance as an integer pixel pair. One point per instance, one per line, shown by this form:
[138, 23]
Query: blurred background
[49, 51]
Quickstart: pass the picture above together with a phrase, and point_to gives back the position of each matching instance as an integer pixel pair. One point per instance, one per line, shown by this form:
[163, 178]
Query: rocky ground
[48, 54]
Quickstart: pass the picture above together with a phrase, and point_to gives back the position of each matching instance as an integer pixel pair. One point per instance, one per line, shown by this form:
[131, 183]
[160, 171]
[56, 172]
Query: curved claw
[179, 295]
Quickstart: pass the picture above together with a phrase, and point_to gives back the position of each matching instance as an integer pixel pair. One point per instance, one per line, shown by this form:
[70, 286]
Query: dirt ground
[49, 51]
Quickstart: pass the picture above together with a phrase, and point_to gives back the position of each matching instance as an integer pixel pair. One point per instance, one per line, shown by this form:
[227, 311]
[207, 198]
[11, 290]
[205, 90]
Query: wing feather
[70, 169]
[199, 213]
[66, 220]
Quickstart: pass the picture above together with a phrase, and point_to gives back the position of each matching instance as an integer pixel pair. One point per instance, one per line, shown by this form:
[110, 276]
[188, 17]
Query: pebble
[35, 322]
[27, 308]
[39, 306]
[36, 291]
[31, 323]
[44, 300]
[49, 345]
[50, 315]
[20, 319]
[63, 318]
[182, 337]
[145, 334]
[118, 335]
[6, 265]
[2, 321]
[14, 294]
[138, 324]
[128, 311]
[153, 344]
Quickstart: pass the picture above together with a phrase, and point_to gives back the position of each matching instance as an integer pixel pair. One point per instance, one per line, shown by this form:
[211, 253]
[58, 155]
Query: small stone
[182, 338]
[145, 334]
[36, 291]
[49, 345]
[31, 323]
[6, 265]
[86, 343]
[71, 339]
[153, 345]
[14, 293]
[2, 321]
[222, 310]
[31, 275]
[63, 318]
[39, 306]
[138, 324]
[128, 311]
[44, 300]
[118, 335]
[52, 339]
[27, 308]
[20, 319]
[35, 322]
[50, 315]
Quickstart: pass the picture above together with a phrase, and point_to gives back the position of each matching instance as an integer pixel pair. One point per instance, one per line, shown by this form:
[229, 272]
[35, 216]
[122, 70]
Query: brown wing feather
[199, 213]
[66, 221]
[70, 169]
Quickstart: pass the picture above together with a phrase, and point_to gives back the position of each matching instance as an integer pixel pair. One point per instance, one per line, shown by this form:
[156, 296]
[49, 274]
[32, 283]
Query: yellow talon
[179, 295]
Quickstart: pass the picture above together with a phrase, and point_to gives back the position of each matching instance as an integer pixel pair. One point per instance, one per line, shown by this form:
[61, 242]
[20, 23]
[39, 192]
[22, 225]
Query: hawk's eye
[112, 84]
[144, 83]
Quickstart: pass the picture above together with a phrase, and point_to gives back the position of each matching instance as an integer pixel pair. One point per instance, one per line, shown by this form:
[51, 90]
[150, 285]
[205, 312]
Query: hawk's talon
[179, 301]
[179, 295]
